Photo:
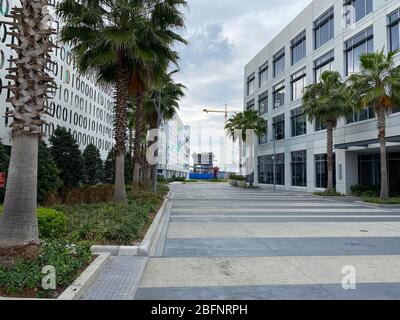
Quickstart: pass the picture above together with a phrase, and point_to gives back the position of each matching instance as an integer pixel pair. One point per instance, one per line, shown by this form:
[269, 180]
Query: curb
[76, 290]
[143, 250]
[376, 205]
[154, 230]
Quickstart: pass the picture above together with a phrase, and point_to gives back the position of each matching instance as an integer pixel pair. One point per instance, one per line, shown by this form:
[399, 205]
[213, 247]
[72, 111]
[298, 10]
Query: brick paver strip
[119, 279]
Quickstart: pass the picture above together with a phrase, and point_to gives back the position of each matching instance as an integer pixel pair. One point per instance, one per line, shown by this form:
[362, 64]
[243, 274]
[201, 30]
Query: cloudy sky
[224, 35]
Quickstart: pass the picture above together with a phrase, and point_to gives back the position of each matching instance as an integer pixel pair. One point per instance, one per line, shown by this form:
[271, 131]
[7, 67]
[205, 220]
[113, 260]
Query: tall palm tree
[237, 128]
[168, 93]
[18, 224]
[164, 21]
[327, 101]
[112, 38]
[378, 85]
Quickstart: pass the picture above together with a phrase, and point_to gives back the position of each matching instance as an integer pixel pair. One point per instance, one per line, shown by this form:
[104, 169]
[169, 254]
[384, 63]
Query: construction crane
[226, 112]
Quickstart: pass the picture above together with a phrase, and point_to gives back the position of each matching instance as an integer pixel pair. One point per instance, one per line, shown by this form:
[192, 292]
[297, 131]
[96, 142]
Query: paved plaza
[221, 242]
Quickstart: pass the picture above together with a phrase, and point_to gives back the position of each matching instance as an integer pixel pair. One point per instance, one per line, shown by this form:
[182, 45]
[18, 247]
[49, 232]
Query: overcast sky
[224, 35]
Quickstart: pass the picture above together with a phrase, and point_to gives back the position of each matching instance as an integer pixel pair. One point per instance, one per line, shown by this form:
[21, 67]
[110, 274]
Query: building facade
[77, 104]
[203, 162]
[174, 149]
[326, 35]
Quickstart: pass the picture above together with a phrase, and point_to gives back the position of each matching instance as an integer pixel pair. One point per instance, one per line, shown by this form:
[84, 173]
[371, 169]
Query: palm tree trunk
[31, 84]
[137, 152]
[240, 156]
[329, 132]
[120, 124]
[18, 223]
[381, 117]
[147, 177]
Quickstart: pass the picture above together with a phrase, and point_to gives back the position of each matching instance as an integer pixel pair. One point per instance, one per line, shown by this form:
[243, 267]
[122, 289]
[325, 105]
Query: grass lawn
[67, 233]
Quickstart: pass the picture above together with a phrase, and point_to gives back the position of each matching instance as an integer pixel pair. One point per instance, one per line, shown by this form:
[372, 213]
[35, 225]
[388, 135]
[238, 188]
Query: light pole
[274, 136]
[159, 117]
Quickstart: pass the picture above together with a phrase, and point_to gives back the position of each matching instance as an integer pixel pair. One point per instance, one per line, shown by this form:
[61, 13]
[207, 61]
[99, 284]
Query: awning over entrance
[366, 144]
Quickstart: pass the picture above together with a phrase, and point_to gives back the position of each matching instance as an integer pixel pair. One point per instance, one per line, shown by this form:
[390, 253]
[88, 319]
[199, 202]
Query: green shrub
[237, 177]
[394, 201]
[328, 194]
[52, 223]
[369, 194]
[359, 190]
[67, 259]
[107, 223]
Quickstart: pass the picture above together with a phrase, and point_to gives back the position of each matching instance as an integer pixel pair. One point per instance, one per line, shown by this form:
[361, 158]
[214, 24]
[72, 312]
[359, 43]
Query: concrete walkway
[222, 242]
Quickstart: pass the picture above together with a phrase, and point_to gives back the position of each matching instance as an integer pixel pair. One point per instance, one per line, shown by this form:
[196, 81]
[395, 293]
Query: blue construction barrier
[201, 176]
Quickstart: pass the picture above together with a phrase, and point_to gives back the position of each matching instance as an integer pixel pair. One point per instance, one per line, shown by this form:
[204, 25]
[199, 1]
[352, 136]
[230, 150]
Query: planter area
[67, 233]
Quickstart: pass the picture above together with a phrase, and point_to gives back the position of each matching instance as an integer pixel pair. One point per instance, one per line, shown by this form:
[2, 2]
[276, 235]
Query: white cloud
[224, 35]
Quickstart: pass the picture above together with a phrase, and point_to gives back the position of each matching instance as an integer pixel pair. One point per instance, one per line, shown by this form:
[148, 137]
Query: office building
[326, 35]
[77, 104]
[174, 149]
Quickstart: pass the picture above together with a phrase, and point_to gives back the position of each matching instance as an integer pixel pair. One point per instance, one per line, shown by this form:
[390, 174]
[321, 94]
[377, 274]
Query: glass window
[324, 63]
[355, 10]
[278, 126]
[264, 137]
[356, 46]
[369, 173]
[279, 95]
[324, 29]
[299, 168]
[365, 114]
[298, 48]
[279, 62]
[250, 105]
[266, 169]
[320, 125]
[263, 103]
[251, 84]
[298, 84]
[299, 123]
[321, 171]
[394, 33]
[263, 75]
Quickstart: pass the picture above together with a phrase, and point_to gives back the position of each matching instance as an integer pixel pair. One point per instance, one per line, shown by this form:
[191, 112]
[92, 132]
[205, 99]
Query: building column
[346, 171]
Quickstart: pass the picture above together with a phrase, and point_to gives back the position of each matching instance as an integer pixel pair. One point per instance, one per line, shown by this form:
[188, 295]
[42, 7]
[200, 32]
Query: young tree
[377, 85]
[327, 101]
[30, 26]
[67, 156]
[92, 165]
[48, 173]
[109, 166]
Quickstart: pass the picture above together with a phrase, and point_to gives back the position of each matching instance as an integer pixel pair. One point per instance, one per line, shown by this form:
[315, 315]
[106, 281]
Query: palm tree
[18, 224]
[238, 126]
[327, 101]
[112, 38]
[164, 19]
[168, 93]
[377, 85]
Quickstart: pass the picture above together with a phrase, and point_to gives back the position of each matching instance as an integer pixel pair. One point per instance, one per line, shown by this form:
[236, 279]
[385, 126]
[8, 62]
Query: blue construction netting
[201, 176]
